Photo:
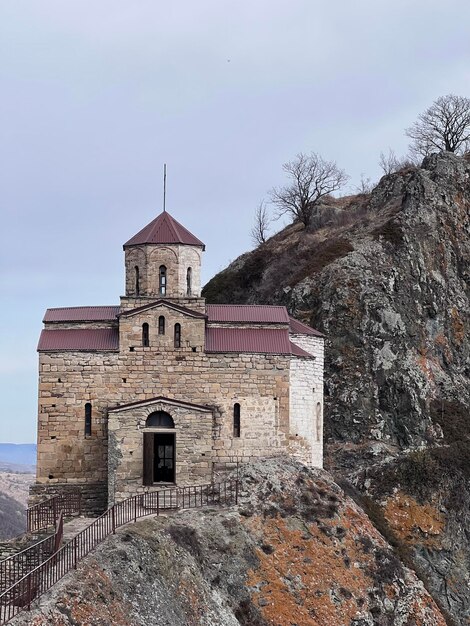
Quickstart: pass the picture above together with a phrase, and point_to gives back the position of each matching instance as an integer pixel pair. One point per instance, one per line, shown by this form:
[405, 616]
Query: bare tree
[365, 185]
[311, 178]
[390, 163]
[259, 232]
[444, 126]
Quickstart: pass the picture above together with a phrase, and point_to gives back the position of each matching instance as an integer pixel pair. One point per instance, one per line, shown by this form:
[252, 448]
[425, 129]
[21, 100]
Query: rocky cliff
[296, 551]
[387, 277]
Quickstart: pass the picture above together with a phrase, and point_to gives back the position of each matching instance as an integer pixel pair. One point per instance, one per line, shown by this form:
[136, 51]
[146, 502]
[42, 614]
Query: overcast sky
[96, 95]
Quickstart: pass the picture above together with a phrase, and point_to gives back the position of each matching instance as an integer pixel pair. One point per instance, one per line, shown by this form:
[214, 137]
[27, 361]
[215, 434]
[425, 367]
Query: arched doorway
[159, 449]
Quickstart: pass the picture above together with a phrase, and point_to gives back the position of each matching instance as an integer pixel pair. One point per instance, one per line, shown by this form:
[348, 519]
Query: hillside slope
[14, 490]
[12, 517]
[387, 277]
[296, 551]
[388, 280]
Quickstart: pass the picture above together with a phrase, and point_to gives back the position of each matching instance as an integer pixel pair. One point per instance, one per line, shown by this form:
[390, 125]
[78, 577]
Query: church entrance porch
[158, 442]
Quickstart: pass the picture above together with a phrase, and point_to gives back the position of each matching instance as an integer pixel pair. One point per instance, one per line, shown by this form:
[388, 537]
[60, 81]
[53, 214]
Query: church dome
[164, 229]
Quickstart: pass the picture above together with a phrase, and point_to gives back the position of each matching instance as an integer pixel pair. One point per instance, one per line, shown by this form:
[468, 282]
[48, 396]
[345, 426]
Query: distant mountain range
[18, 454]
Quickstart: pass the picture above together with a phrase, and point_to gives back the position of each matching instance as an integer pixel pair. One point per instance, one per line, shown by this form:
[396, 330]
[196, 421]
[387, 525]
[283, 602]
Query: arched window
[177, 335]
[162, 280]
[88, 419]
[145, 335]
[161, 325]
[236, 420]
[189, 276]
[159, 419]
[137, 281]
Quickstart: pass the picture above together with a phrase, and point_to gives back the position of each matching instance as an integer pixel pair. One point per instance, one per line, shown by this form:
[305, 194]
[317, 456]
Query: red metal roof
[79, 339]
[164, 229]
[82, 314]
[247, 313]
[298, 328]
[296, 351]
[254, 340]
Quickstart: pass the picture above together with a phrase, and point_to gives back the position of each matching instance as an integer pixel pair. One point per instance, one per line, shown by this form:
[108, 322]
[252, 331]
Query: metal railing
[46, 513]
[14, 567]
[36, 582]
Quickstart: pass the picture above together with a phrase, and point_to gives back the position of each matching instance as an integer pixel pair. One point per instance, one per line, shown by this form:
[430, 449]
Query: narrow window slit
[88, 419]
[162, 280]
[137, 281]
[236, 420]
[145, 335]
[177, 335]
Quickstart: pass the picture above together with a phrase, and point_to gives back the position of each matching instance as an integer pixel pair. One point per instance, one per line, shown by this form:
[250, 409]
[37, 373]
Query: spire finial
[164, 187]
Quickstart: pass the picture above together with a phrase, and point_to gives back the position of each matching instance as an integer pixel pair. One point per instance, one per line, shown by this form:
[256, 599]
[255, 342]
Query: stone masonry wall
[176, 258]
[94, 494]
[76, 325]
[192, 331]
[306, 402]
[260, 383]
[189, 257]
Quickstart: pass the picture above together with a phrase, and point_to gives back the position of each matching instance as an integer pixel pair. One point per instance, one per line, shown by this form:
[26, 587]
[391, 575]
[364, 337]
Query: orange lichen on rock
[458, 327]
[413, 522]
[441, 341]
[310, 578]
[426, 363]
[101, 605]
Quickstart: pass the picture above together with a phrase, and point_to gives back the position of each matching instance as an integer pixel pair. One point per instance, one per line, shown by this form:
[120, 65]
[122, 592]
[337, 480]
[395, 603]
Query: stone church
[165, 389]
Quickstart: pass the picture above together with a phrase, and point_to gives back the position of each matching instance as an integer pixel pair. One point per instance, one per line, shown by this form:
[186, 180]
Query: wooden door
[164, 458]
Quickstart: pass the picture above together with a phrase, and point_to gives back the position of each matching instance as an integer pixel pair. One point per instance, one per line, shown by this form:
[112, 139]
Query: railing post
[54, 509]
[75, 553]
[135, 509]
[113, 520]
[29, 592]
[158, 503]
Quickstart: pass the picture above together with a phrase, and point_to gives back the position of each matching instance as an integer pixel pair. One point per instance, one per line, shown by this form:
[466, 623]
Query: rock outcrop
[295, 551]
[387, 277]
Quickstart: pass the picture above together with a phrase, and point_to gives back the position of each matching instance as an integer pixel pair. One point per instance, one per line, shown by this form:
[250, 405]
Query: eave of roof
[183, 403]
[297, 351]
[79, 340]
[299, 328]
[164, 229]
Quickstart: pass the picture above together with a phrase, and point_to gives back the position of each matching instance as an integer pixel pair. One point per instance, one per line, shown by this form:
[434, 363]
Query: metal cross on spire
[164, 187]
